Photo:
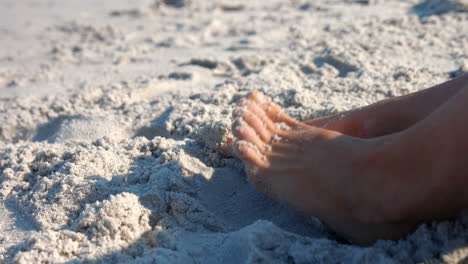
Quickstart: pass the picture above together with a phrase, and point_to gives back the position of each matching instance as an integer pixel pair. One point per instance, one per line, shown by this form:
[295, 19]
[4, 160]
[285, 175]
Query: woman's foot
[375, 120]
[318, 171]
[374, 174]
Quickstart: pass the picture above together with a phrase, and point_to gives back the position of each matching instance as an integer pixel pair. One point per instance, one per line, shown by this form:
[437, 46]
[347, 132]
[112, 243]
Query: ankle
[385, 117]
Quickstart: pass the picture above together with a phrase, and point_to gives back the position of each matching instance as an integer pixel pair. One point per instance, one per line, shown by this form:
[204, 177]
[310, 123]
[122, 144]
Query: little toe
[225, 147]
[250, 154]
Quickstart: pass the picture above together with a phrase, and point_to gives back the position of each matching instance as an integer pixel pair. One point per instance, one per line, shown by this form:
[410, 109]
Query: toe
[258, 111]
[240, 108]
[225, 147]
[255, 117]
[272, 110]
[265, 122]
[250, 154]
[258, 125]
[243, 131]
[258, 97]
[276, 114]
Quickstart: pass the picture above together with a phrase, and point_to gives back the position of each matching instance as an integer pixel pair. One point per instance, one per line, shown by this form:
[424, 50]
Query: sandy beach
[112, 113]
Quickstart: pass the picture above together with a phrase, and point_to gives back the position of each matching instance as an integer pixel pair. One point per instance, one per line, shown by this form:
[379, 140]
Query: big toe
[274, 112]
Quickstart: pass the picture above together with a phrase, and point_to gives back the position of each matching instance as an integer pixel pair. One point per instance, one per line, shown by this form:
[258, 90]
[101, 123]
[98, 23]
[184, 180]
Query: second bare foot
[312, 169]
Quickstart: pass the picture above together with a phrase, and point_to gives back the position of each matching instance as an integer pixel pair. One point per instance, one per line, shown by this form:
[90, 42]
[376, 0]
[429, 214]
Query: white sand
[110, 112]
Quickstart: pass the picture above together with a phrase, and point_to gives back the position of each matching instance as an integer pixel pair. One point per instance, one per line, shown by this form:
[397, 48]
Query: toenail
[241, 126]
[253, 93]
[241, 145]
[258, 96]
[276, 116]
[242, 102]
[239, 111]
[237, 125]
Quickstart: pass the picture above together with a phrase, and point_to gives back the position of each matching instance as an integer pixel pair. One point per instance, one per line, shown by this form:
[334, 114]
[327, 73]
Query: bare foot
[366, 122]
[382, 118]
[375, 120]
[315, 170]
